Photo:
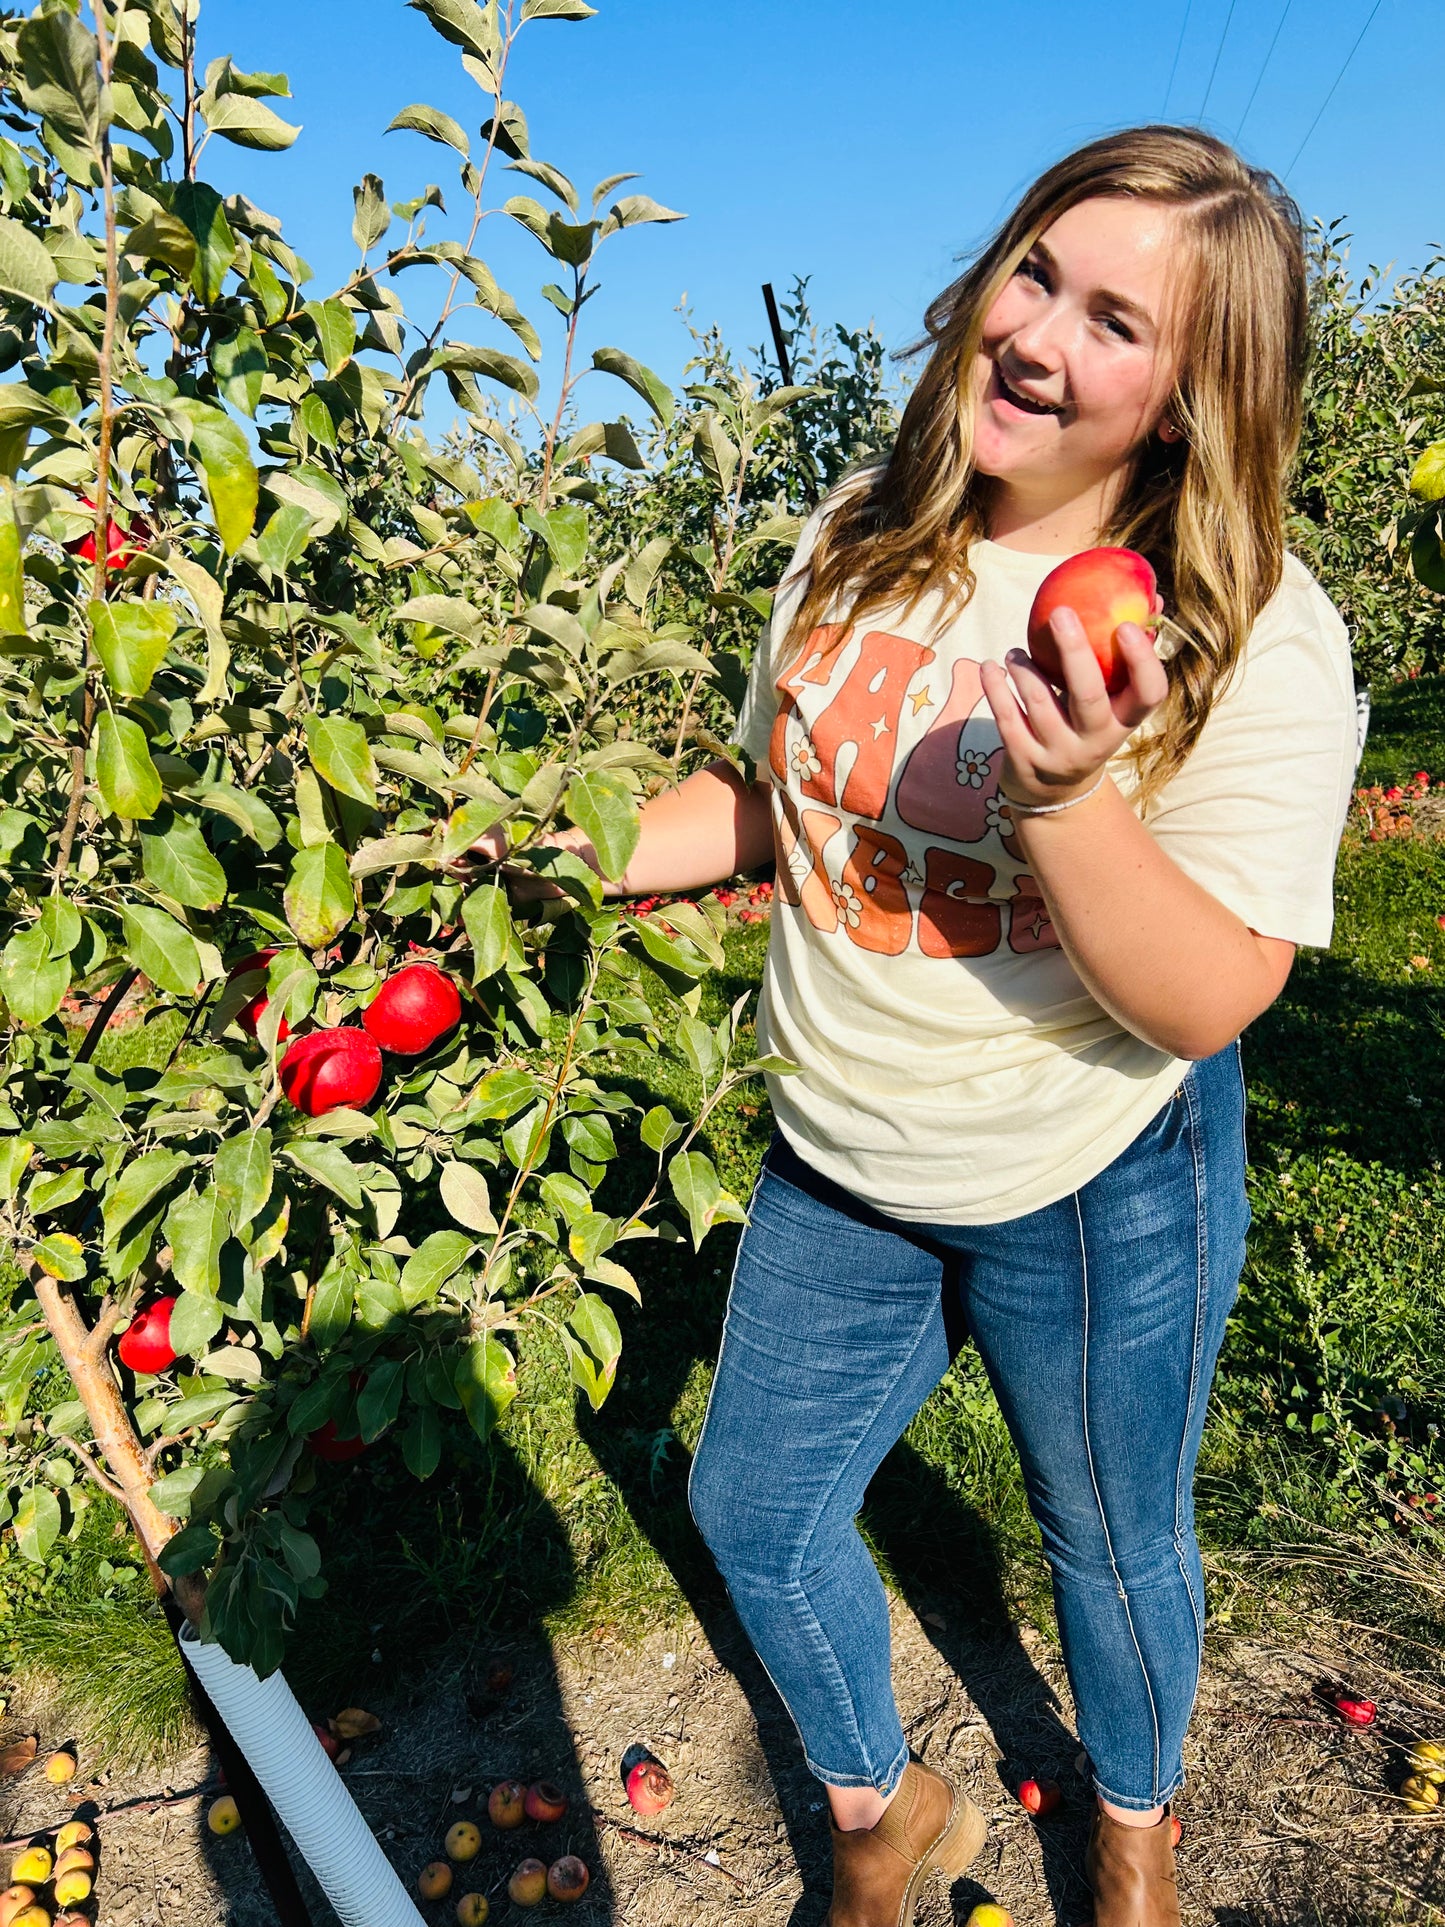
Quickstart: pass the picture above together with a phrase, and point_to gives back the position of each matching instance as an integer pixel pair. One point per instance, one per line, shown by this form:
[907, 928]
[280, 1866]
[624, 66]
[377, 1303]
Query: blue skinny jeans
[1099, 1320]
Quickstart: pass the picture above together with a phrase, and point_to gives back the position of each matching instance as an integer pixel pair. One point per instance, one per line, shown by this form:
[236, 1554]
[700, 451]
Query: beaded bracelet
[1052, 809]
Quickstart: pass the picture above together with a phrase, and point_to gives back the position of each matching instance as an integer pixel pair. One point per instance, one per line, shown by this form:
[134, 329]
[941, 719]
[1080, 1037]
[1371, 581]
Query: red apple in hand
[1103, 587]
[145, 1345]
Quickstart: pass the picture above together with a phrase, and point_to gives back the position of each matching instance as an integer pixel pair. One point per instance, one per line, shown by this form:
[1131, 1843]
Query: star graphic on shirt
[880, 728]
[921, 699]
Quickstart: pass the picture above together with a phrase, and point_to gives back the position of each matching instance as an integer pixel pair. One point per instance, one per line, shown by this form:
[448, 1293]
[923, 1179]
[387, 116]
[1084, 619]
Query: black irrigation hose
[246, 1790]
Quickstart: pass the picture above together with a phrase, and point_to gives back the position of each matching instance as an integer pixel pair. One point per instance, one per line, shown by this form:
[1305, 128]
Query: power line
[1331, 94]
[1218, 56]
[1269, 56]
[1179, 48]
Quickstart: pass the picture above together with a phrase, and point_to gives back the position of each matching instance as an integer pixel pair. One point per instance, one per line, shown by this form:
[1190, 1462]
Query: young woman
[1016, 937]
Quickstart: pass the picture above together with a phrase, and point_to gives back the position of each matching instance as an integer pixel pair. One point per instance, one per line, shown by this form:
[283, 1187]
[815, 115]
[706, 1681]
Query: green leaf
[162, 237]
[421, 1443]
[372, 215]
[487, 918]
[340, 752]
[601, 804]
[12, 574]
[283, 540]
[195, 1322]
[15, 1155]
[380, 1398]
[465, 1195]
[485, 1380]
[200, 210]
[1427, 478]
[140, 1181]
[129, 784]
[196, 1228]
[638, 210]
[697, 1188]
[26, 269]
[244, 1175]
[659, 1129]
[491, 363]
[332, 1307]
[435, 1259]
[557, 10]
[161, 949]
[62, 924]
[33, 983]
[191, 1550]
[249, 123]
[436, 125]
[652, 388]
[61, 76]
[241, 807]
[594, 1345]
[465, 25]
[61, 1256]
[335, 328]
[329, 1165]
[37, 1524]
[239, 363]
[176, 860]
[320, 897]
[220, 448]
[131, 639]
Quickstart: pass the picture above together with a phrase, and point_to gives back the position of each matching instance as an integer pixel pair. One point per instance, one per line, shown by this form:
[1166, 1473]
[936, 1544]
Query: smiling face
[1078, 357]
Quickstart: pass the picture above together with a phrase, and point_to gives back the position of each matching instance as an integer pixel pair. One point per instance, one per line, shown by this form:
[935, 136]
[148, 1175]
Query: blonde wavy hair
[1207, 510]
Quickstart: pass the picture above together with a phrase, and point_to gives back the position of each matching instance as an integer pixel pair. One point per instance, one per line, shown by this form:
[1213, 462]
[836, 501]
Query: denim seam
[1201, 1289]
[1098, 1495]
[822, 1506]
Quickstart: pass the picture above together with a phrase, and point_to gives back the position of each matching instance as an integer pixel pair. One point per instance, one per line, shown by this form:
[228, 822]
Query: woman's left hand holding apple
[1057, 745]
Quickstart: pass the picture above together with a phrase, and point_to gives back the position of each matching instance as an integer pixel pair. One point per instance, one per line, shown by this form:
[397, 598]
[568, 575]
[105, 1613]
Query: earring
[1170, 431]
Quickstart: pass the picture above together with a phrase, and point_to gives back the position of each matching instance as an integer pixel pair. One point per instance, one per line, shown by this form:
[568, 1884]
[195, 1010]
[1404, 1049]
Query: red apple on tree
[1104, 587]
[251, 1012]
[145, 1346]
[328, 1069]
[413, 1009]
[120, 547]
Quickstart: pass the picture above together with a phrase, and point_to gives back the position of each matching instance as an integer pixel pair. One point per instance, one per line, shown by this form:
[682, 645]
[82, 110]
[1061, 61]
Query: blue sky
[863, 144]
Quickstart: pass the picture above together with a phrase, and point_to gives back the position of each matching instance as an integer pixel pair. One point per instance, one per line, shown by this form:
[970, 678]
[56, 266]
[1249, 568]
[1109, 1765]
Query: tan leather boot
[879, 1871]
[1131, 1870]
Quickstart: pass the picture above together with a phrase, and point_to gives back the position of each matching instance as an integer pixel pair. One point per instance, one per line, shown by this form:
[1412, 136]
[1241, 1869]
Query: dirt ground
[1289, 1818]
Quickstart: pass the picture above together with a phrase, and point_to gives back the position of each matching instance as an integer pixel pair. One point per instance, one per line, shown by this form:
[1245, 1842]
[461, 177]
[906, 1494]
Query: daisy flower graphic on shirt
[973, 769]
[845, 899]
[806, 760]
[998, 815]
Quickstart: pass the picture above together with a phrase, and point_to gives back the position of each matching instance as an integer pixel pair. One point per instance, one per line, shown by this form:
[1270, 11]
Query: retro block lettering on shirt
[951, 777]
[855, 733]
[956, 917]
[815, 665]
[801, 845]
[873, 905]
[1029, 926]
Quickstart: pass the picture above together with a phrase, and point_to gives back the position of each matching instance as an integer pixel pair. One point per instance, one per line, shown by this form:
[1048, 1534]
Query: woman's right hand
[522, 883]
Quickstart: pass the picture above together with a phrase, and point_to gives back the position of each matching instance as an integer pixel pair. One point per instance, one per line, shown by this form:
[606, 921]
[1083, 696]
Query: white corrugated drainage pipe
[307, 1792]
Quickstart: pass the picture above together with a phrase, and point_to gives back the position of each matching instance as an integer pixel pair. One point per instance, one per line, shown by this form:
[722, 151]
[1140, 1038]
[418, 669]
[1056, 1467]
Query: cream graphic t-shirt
[952, 1067]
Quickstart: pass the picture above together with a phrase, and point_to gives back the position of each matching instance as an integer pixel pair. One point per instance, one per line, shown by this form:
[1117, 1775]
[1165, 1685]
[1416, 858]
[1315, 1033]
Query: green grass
[1331, 1390]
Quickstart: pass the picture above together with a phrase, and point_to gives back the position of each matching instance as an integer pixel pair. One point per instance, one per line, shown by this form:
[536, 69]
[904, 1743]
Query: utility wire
[1269, 56]
[1218, 56]
[1331, 94]
[1178, 49]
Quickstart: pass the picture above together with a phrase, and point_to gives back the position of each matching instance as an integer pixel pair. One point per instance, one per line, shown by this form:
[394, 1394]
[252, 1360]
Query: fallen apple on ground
[986, 1914]
[14, 1902]
[1427, 1757]
[1104, 588]
[434, 1881]
[1039, 1796]
[472, 1910]
[464, 1841]
[223, 1816]
[1176, 1829]
[545, 1802]
[1419, 1794]
[507, 1804]
[567, 1878]
[649, 1786]
[60, 1767]
[31, 1868]
[528, 1885]
[1355, 1712]
[75, 1833]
